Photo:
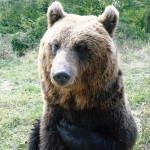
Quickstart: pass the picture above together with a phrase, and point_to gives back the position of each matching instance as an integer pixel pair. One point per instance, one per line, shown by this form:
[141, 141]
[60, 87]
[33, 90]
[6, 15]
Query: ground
[20, 99]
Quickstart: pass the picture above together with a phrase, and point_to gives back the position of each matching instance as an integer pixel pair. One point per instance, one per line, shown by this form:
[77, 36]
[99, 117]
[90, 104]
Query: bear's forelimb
[34, 138]
[81, 139]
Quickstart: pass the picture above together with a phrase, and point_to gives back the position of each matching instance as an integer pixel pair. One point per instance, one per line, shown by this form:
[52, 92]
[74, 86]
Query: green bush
[19, 46]
[29, 16]
[18, 15]
[37, 31]
[129, 31]
[22, 41]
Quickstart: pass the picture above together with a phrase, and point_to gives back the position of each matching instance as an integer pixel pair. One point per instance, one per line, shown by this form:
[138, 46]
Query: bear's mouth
[62, 84]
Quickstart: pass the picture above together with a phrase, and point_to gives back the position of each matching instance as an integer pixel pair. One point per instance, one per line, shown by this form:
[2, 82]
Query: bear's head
[77, 56]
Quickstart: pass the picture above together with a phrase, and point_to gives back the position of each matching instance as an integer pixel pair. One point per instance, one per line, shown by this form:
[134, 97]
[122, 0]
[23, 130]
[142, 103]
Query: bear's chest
[91, 119]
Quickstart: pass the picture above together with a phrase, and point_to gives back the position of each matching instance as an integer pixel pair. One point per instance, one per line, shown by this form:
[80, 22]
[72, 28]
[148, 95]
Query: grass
[20, 98]
[135, 64]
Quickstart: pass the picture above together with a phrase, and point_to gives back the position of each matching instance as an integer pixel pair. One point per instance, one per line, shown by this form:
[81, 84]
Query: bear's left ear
[54, 13]
[109, 19]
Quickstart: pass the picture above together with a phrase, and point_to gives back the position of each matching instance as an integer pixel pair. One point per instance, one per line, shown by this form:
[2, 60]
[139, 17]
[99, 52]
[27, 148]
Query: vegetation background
[22, 24]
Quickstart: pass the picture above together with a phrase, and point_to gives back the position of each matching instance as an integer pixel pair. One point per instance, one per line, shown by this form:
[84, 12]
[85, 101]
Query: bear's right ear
[54, 13]
[109, 19]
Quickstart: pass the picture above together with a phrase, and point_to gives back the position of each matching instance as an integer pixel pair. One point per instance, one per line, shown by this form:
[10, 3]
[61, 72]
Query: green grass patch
[136, 68]
[20, 100]
[21, 104]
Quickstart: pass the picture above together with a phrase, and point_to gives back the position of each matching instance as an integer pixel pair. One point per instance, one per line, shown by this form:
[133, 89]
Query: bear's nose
[61, 78]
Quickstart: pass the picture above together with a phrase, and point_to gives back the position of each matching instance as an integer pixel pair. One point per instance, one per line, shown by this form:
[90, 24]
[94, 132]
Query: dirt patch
[6, 85]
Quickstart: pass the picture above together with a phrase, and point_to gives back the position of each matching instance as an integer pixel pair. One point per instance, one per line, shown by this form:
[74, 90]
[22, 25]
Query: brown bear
[82, 85]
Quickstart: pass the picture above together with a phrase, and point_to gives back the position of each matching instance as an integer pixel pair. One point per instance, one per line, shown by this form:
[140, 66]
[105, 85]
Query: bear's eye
[82, 50]
[81, 47]
[54, 48]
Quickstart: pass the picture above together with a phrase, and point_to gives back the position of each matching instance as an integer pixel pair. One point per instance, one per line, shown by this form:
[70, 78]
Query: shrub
[19, 46]
[29, 16]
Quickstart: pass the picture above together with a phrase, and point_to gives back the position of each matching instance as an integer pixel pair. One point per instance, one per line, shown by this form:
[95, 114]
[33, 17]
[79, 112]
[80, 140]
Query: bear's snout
[64, 69]
[61, 77]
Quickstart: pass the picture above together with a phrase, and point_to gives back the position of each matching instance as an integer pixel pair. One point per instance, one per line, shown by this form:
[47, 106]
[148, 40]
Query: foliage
[133, 18]
[19, 46]
[36, 33]
[29, 16]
